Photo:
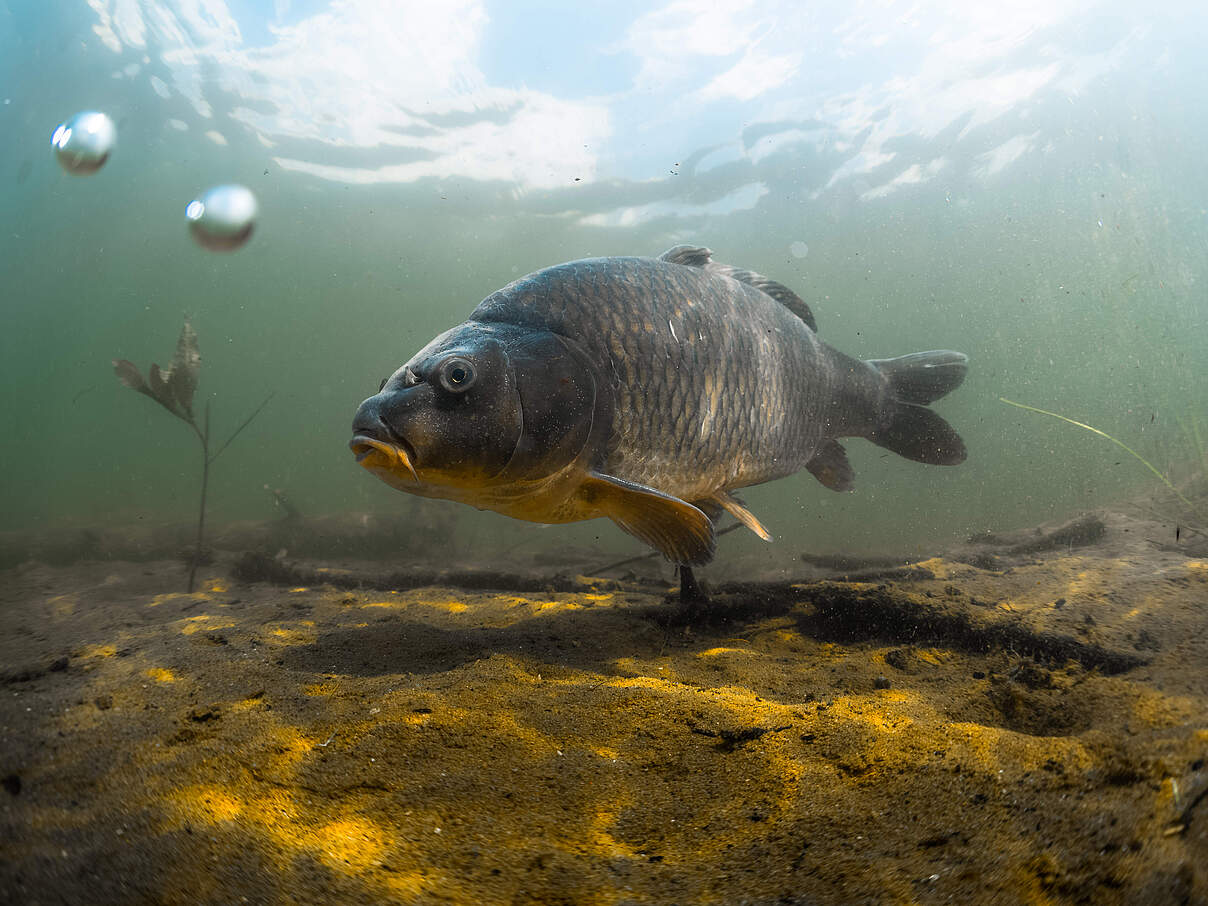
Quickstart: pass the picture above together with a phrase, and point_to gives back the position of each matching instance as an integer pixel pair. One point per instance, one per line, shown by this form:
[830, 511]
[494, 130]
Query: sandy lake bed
[1021, 720]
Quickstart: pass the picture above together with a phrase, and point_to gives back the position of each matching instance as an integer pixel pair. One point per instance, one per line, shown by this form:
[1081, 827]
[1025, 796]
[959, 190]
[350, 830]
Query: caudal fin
[914, 431]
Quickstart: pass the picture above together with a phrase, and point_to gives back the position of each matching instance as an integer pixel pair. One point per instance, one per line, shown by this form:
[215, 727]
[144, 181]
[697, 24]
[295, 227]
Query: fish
[647, 391]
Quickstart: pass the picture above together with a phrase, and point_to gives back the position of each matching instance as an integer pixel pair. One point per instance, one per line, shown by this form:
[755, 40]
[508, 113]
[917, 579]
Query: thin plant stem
[1191, 428]
[1119, 443]
[206, 459]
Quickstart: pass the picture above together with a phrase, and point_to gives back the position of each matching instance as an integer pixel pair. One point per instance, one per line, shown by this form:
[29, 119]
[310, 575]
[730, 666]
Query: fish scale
[653, 440]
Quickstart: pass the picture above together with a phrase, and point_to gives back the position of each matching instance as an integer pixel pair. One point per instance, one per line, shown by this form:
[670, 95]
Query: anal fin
[678, 530]
[739, 511]
[830, 466]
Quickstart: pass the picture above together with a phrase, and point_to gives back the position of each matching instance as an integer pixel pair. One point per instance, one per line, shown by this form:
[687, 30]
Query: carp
[647, 391]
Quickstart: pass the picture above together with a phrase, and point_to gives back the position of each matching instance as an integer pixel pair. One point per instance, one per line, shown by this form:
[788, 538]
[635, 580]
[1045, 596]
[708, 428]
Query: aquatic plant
[1126, 448]
[173, 388]
[1195, 435]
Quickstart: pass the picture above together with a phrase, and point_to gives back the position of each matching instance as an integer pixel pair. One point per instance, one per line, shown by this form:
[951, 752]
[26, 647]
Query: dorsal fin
[698, 256]
[687, 255]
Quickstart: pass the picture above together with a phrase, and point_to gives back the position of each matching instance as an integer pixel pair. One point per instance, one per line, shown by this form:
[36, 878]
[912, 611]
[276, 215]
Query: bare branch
[247, 421]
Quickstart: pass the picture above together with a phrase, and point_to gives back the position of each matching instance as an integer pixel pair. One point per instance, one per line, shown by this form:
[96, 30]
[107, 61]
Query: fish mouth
[379, 454]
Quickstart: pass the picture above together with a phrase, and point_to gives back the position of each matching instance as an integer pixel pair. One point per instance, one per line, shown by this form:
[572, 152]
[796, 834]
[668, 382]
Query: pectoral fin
[739, 511]
[678, 530]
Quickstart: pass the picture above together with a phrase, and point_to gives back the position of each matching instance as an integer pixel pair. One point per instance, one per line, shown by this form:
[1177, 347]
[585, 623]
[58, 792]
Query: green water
[1040, 204]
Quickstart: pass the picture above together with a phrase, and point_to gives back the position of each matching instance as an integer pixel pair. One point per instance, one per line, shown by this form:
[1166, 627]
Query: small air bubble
[222, 219]
[799, 249]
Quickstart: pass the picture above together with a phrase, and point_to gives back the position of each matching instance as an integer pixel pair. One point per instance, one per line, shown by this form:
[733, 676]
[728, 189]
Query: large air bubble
[82, 144]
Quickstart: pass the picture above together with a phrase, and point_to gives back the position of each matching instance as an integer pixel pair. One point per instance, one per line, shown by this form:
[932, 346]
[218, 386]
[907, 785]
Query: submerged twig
[279, 499]
[650, 556]
[247, 421]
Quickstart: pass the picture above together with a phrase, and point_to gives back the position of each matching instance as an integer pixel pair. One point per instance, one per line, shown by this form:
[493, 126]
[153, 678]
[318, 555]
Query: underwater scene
[737, 452]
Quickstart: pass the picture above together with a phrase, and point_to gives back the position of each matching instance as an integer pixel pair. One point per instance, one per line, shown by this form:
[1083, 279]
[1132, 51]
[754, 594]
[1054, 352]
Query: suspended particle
[798, 249]
[82, 143]
[222, 218]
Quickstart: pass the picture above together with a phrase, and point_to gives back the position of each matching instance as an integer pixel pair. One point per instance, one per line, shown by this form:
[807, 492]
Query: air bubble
[82, 144]
[798, 249]
[222, 219]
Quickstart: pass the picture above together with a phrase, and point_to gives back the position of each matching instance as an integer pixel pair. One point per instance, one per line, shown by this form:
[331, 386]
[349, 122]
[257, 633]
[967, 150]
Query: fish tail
[911, 429]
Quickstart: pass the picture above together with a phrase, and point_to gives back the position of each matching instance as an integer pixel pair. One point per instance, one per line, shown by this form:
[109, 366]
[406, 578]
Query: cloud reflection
[392, 75]
[395, 91]
[741, 199]
[998, 159]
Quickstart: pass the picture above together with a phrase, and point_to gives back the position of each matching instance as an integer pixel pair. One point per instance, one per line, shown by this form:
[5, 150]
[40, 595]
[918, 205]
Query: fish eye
[456, 374]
